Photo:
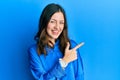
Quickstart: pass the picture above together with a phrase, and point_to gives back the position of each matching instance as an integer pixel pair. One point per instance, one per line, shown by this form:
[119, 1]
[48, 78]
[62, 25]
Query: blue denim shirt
[48, 67]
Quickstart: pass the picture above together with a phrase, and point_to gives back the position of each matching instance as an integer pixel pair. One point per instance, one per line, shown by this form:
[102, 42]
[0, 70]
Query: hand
[71, 54]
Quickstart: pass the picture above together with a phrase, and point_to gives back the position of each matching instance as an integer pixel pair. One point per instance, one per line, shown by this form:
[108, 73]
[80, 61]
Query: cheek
[50, 26]
[62, 28]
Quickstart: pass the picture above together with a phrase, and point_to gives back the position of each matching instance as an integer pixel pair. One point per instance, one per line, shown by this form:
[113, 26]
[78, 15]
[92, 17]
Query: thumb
[68, 46]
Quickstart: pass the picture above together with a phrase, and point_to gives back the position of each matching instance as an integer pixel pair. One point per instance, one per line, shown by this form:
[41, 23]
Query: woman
[54, 56]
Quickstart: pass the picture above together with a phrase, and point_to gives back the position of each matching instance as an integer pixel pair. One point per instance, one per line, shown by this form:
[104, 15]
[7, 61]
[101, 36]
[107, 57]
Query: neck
[51, 42]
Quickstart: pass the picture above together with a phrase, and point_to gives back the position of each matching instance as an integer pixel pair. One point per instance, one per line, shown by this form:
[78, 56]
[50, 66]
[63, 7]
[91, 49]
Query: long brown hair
[41, 37]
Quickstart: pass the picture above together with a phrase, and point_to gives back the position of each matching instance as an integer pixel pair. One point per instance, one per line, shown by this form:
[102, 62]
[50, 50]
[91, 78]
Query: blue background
[96, 22]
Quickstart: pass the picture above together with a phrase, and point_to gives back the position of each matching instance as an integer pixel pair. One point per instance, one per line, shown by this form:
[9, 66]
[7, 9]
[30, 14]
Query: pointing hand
[71, 54]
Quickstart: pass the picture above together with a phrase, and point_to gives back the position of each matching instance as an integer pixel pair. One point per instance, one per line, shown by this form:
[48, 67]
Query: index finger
[78, 46]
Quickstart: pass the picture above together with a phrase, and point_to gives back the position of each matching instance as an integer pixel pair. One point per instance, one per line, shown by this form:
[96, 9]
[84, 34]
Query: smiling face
[55, 26]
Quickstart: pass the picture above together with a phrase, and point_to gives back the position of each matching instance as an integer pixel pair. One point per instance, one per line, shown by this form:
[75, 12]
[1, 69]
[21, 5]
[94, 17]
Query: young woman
[54, 56]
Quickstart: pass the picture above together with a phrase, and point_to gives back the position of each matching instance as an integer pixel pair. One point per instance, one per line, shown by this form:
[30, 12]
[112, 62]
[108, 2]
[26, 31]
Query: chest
[50, 60]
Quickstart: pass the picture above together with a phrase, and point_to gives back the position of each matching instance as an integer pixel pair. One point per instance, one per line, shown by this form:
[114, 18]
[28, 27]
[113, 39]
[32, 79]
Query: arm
[78, 64]
[38, 70]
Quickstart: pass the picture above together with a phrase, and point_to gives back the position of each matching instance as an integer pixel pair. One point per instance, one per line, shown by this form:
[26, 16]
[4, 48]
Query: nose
[57, 25]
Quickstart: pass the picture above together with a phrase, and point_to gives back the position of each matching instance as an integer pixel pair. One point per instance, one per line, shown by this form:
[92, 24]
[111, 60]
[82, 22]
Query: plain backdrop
[96, 22]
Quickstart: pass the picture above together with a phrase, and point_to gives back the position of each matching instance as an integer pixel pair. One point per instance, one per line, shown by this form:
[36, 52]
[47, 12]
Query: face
[55, 25]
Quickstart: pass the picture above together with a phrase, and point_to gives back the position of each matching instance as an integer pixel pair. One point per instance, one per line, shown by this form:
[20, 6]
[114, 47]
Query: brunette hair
[41, 37]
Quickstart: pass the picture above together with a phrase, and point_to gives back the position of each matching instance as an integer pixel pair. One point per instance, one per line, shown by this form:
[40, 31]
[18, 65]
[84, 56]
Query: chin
[55, 37]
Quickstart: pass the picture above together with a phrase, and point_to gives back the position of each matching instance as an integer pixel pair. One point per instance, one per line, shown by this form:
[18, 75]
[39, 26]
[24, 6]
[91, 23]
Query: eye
[61, 22]
[52, 21]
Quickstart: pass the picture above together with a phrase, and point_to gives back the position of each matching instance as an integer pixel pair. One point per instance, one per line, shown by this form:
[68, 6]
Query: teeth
[55, 31]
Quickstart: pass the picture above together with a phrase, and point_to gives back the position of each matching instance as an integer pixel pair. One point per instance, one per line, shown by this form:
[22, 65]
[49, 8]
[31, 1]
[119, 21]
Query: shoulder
[33, 47]
[73, 43]
[32, 50]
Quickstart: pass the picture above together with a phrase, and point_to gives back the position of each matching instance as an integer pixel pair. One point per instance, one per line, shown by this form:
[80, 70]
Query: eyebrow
[55, 20]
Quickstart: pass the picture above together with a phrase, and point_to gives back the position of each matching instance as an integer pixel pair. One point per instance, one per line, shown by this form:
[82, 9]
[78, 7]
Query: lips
[55, 32]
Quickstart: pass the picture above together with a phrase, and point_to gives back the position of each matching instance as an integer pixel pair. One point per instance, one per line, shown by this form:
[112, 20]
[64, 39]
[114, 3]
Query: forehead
[58, 16]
